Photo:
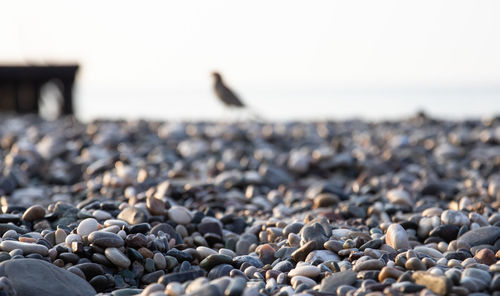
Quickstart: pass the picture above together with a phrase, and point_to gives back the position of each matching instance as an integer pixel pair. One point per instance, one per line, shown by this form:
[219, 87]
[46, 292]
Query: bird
[225, 94]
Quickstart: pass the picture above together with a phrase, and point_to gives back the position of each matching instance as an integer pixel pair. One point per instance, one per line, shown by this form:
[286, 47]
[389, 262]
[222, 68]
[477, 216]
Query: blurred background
[286, 59]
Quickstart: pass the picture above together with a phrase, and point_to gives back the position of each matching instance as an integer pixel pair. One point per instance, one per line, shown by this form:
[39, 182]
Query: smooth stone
[333, 245]
[389, 272]
[152, 277]
[126, 292]
[87, 226]
[441, 285]
[283, 266]
[485, 256]
[38, 277]
[180, 277]
[155, 206]
[429, 252]
[106, 239]
[399, 197]
[132, 215]
[117, 258]
[213, 260]
[305, 270]
[33, 213]
[160, 261]
[204, 252]
[236, 287]
[454, 217]
[397, 237]
[314, 232]
[481, 276]
[414, 264]
[325, 200]
[239, 260]
[302, 279]
[321, 256]
[371, 264]
[90, 270]
[27, 248]
[180, 215]
[481, 236]
[372, 244]
[219, 271]
[448, 232]
[335, 280]
[495, 283]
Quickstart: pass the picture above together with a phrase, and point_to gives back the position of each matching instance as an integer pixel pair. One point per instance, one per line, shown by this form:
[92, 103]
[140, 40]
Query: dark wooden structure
[20, 86]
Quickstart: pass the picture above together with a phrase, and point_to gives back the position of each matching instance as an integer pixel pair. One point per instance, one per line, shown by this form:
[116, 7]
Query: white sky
[164, 46]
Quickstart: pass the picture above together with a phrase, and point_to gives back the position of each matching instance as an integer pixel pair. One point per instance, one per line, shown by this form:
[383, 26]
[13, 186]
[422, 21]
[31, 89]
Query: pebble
[87, 226]
[33, 213]
[251, 208]
[307, 271]
[105, 239]
[27, 248]
[179, 215]
[117, 258]
[396, 237]
[25, 278]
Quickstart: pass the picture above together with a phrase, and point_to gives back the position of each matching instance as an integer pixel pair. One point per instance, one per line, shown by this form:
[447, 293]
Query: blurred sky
[289, 59]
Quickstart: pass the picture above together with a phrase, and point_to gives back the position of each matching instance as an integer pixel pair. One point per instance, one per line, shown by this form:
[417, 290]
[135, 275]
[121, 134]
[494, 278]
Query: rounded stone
[33, 213]
[485, 256]
[305, 270]
[399, 197]
[117, 258]
[105, 239]
[27, 248]
[87, 226]
[397, 237]
[160, 261]
[180, 215]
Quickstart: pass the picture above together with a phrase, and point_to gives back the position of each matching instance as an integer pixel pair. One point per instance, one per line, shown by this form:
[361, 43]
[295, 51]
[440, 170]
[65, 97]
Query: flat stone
[33, 213]
[38, 277]
[105, 239]
[117, 258]
[429, 252]
[396, 237]
[28, 248]
[481, 236]
[335, 280]
[213, 260]
[305, 270]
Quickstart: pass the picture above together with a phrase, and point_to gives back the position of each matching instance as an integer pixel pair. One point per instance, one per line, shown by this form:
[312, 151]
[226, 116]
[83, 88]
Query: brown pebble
[389, 272]
[146, 253]
[155, 206]
[266, 253]
[26, 239]
[485, 256]
[35, 212]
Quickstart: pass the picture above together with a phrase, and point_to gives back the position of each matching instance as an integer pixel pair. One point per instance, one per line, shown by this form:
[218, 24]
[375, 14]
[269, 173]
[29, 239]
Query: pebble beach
[348, 208]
